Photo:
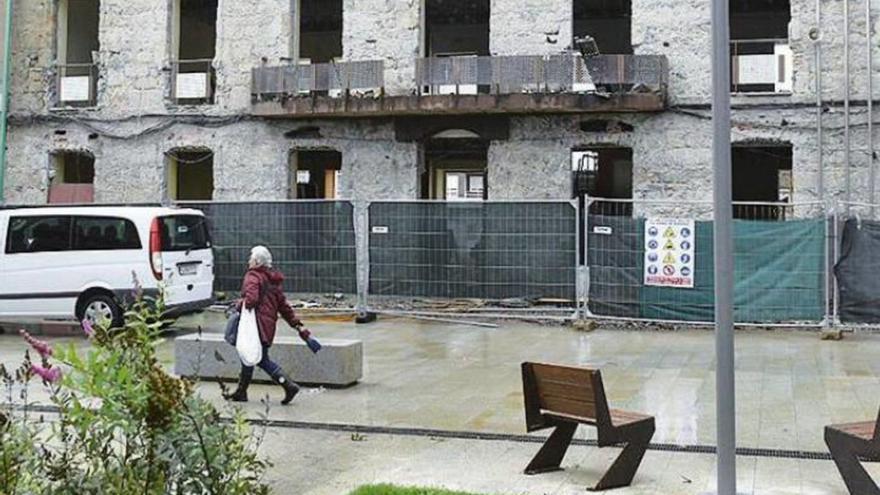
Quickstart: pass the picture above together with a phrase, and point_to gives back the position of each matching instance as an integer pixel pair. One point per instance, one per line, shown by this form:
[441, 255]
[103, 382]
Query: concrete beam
[339, 364]
[433, 105]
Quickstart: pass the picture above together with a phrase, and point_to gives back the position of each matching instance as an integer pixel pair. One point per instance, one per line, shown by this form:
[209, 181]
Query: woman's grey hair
[260, 256]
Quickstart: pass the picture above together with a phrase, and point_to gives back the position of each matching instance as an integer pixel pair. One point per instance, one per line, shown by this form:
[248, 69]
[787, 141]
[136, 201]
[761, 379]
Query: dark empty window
[78, 46]
[456, 27]
[761, 59]
[196, 40]
[191, 175]
[74, 168]
[456, 169]
[315, 174]
[608, 22]
[105, 234]
[761, 175]
[320, 30]
[38, 234]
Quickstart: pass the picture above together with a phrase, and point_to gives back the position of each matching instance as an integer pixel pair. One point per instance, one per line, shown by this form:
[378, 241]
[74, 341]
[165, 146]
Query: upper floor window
[320, 31]
[77, 53]
[608, 22]
[457, 29]
[760, 55]
[194, 40]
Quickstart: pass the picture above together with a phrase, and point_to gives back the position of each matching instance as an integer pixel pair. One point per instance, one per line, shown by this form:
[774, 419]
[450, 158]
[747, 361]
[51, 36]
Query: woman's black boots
[244, 381]
[290, 388]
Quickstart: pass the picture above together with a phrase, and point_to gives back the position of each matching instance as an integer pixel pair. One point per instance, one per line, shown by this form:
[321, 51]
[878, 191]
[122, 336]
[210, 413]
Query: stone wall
[134, 124]
[530, 27]
[250, 158]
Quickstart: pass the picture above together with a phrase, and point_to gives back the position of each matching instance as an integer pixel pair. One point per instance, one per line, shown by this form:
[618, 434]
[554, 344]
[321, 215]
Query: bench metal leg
[550, 456]
[622, 472]
[845, 450]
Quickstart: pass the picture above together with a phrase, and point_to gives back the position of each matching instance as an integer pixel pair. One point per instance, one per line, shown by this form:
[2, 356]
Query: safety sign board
[669, 252]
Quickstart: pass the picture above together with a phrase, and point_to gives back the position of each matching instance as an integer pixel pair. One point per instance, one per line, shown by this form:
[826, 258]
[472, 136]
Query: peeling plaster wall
[671, 150]
[387, 30]
[530, 27]
[250, 159]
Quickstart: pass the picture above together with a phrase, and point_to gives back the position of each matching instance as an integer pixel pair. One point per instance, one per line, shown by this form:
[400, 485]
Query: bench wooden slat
[565, 390]
[621, 418]
[863, 430]
[564, 374]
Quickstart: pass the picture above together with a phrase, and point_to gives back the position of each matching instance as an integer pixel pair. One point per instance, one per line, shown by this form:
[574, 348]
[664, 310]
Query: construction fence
[795, 263]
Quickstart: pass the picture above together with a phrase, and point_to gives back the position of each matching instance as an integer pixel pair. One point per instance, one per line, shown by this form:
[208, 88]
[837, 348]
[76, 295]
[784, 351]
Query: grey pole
[725, 402]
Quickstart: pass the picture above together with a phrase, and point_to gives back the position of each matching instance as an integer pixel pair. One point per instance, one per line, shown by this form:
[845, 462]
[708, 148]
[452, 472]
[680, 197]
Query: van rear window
[184, 233]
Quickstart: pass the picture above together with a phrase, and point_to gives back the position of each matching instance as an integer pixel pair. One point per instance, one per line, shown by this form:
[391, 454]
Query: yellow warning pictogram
[670, 246]
[670, 233]
[669, 259]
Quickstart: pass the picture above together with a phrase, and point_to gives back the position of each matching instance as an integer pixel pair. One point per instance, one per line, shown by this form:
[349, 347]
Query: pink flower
[43, 348]
[50, 375]
[137, 293]
[87, 328]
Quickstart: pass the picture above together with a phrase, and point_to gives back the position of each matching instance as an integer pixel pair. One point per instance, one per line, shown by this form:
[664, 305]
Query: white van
[78, 262]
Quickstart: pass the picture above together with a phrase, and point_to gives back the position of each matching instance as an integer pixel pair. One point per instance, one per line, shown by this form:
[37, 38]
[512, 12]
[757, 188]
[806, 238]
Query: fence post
[579, 271]
[362, 250]
[835, 243]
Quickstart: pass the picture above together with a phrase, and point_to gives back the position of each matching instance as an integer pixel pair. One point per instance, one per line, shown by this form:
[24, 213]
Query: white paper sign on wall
[192, 86]
[670, 247]
[75, 88]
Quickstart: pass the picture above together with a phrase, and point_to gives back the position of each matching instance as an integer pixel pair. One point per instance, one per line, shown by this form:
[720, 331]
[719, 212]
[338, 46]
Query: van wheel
[101, 307]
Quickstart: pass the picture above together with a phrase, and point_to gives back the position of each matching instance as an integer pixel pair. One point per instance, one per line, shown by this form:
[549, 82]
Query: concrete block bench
[338, 364]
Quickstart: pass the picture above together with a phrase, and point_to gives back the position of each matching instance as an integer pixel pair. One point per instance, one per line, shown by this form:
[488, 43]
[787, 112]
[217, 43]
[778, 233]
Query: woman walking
[262, 291]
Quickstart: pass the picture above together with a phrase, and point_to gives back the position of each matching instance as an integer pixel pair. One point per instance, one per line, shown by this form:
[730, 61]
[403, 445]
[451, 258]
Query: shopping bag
[231, 334]
[248, 345]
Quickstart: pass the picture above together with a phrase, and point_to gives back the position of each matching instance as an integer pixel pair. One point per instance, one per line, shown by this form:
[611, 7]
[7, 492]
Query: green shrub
[124, 425]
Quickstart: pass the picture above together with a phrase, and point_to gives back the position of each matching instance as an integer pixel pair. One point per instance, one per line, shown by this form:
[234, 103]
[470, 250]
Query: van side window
[105, 234]
[38, 234]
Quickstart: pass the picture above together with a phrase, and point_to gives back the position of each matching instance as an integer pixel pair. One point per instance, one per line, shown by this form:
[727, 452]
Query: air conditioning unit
[766, 69]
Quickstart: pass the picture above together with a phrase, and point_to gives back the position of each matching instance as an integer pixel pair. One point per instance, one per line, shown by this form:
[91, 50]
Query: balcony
[76, 86]
[459, 85]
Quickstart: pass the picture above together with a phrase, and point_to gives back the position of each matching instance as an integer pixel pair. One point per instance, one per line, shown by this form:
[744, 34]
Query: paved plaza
[421, 377]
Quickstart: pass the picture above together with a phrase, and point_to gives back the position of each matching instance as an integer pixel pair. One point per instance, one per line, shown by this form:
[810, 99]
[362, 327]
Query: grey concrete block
[338, 364]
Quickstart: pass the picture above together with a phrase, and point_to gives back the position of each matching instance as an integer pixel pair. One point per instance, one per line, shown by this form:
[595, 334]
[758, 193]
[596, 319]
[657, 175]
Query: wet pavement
[427, 375]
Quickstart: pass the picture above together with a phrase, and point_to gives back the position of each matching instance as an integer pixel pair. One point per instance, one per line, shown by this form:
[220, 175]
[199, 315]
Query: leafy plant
[124, 424]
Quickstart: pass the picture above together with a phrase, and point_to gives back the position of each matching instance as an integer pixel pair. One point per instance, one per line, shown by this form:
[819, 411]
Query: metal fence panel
[858, 264]
[482, 250]
[780, 267]
[312, 242]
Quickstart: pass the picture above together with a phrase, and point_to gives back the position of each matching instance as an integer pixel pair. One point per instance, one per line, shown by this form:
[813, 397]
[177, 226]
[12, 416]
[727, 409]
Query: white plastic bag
[248, 345]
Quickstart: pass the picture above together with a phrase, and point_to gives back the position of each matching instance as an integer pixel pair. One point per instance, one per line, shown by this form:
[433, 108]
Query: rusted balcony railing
[334, 79]
[193, 82]
[563, 73]
[76, 85]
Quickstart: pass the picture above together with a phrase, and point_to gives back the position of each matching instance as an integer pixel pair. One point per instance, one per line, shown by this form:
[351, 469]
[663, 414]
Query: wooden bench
[562, 397]
[850, 442]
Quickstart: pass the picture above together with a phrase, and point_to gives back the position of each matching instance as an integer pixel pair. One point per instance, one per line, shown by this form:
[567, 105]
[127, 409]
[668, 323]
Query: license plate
[188, 269]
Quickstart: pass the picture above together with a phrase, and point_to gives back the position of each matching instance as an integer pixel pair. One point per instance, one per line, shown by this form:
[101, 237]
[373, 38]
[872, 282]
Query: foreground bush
[123, 424]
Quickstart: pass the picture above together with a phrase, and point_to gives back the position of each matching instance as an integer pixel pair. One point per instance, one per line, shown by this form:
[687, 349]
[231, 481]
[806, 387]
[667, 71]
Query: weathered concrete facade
[134, 125]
